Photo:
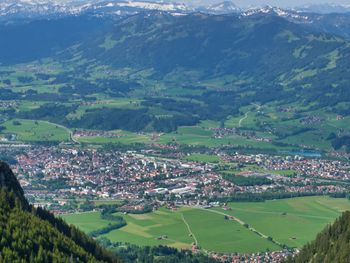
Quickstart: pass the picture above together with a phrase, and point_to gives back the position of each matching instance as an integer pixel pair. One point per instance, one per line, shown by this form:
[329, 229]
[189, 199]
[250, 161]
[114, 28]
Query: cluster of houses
[64, 173]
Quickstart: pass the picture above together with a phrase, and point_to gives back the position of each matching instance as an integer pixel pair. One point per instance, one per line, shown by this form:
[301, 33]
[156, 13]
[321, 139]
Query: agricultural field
[293, 222]
[196, 135]
[88, 221]
[180, 229]
[202, 158]
[125, 138]
[162, 107]
[30, 130]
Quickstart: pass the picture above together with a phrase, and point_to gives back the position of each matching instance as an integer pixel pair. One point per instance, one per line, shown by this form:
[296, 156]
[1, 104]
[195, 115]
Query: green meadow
[209, 230]
[88, 221]
[125, 138]
[30, 130]
[202, 158]
[293, 222]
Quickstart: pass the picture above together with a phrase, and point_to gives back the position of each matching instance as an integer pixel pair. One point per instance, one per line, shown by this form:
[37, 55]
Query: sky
[288, 3]
[279, 3]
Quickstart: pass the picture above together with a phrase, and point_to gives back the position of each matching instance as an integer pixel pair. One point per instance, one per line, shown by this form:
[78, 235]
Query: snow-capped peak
[224, 7]
[38, 8]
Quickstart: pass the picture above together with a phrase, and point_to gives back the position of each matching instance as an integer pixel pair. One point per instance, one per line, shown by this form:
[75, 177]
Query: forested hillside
[332, 245]
[34, 235]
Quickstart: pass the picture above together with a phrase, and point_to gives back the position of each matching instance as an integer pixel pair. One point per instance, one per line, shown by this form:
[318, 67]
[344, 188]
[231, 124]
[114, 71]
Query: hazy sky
[288, 2]
[280, 3]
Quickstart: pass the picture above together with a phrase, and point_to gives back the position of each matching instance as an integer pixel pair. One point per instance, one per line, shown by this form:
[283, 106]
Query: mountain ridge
[9, 182]
[34, 235]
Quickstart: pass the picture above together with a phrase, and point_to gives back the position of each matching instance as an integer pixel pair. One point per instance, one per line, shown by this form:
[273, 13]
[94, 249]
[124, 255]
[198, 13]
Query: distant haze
[279, 3]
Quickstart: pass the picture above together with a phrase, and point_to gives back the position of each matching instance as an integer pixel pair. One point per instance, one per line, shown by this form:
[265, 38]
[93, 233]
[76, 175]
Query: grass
[107, 202]
[202, 158]
[120, 103]
[289, 221]
[198, 136]
[30, 130]
[212, 231]
[303, 218]
[109, 43]
[125, 138]
[87, 222]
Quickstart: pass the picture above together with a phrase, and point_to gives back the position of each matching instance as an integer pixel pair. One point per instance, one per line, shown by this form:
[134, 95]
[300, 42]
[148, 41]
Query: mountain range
[276, 52]
[29, 9]
[225, 62]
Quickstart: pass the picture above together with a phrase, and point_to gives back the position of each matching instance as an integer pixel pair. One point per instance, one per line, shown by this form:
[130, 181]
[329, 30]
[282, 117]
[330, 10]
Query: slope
[34, 235]
[331, 245]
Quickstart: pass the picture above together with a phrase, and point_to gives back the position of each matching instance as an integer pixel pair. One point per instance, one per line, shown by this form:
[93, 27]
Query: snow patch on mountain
[289, 14]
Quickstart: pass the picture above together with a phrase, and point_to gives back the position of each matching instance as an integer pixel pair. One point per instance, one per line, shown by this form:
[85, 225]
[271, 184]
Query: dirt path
[242, 119]
[189, 230]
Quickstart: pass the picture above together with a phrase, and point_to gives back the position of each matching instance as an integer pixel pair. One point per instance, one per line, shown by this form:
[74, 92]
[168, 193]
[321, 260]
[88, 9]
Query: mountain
[331, 245]
[38, 9]
[225, 62]
[332, 19]
[24, 9]
[34, 235]
[264, 50]
[332, 23]
[226, 7]
[8, 182]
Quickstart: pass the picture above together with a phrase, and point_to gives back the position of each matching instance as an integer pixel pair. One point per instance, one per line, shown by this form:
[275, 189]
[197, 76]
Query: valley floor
[238, 227]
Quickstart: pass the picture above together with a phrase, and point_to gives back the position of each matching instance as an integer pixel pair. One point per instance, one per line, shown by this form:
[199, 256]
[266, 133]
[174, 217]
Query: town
[58, 177]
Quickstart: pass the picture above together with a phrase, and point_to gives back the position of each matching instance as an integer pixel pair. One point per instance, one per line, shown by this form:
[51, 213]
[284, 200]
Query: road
[71, 137]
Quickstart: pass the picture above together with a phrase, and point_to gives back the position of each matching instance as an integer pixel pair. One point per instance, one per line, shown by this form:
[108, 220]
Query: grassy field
[125, 138]
[210, 230]
[29, 130]
[196, 135]
[87, 222]
[289, 221]
[202, 158]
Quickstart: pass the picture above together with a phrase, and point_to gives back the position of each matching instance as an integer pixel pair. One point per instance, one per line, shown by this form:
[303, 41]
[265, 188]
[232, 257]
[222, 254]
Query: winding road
[71, 137]
[242, 119]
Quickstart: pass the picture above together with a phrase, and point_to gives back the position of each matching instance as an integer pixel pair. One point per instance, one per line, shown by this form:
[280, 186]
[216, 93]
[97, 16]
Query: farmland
[292, 222]
[30, 130]
[136, 104]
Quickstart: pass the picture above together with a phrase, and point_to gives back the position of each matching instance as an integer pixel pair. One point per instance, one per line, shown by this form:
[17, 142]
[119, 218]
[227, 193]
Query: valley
[291, 222]
[213, 134]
